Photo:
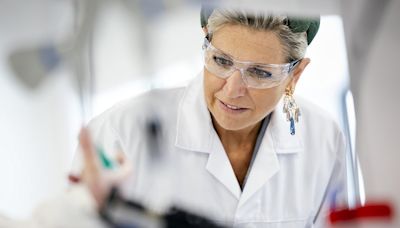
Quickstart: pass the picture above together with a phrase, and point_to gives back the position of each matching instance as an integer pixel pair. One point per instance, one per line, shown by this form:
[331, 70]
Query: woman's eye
[222, 61]
[258, 73]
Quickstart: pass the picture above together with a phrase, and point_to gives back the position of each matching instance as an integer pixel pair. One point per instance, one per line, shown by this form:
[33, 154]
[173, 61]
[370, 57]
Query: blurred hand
[99, 180]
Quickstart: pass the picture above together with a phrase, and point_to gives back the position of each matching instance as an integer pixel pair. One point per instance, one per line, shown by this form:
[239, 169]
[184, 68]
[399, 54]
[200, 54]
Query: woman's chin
[230, 125]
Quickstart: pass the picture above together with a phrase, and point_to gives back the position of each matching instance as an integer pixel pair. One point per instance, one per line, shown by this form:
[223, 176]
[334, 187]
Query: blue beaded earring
[291, 110]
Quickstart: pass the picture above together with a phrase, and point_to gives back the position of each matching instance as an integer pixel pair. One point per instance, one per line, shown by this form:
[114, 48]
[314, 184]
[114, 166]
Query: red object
[368, 211]
[74, 179]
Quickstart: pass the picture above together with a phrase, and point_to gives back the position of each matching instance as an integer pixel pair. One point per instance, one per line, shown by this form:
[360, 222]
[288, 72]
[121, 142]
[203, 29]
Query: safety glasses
[254, 75]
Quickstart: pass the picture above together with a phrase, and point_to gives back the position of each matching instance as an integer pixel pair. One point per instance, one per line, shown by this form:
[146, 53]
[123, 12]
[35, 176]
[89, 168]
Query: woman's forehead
[248, 44]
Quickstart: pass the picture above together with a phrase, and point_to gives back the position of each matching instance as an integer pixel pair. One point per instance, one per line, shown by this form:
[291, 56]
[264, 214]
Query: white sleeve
[336, 191]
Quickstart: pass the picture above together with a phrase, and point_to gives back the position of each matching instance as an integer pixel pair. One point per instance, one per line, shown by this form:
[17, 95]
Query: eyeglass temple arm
[206, 41]
[293, 64]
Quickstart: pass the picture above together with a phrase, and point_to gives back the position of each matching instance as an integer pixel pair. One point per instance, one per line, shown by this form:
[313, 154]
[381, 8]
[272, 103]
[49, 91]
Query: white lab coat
[287, 181]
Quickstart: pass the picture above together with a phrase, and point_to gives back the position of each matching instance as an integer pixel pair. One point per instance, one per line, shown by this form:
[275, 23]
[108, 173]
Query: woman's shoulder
[321, 132]
[314, 110]
[313, 113]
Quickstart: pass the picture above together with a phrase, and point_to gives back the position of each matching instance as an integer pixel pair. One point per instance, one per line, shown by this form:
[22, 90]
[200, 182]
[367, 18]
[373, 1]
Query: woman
[234, 145]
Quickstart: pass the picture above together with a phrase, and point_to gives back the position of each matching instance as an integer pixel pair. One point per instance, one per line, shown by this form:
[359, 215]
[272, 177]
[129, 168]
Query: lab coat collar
[195, 132]
[194, 125]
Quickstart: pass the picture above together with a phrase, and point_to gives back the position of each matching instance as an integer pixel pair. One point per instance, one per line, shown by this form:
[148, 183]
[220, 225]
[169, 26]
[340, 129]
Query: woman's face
[232, 104]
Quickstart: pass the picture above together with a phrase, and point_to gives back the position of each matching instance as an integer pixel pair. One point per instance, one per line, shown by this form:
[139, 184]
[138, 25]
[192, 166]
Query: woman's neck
[234, 139]
[239, 146]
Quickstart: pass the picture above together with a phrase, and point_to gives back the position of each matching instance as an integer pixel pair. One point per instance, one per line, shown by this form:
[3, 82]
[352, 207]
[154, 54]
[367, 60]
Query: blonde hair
[294, 44]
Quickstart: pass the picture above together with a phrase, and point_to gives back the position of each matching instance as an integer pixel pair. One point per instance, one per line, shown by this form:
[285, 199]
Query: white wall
[37, 127]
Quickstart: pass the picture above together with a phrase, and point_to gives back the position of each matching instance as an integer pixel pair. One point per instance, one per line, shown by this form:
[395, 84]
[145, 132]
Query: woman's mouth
[231, 108]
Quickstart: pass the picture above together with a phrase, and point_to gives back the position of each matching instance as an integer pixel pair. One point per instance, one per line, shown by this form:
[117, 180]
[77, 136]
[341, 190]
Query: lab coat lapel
[264, 167]
[193, 122]
[277, 141]
[220, 167]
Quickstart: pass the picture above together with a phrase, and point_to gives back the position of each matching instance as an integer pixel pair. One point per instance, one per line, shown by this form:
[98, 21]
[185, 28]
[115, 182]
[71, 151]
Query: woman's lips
[231, 108]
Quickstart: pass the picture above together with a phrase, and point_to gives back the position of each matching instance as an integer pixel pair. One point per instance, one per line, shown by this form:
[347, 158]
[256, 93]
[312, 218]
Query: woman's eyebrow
[224, 53]
[253, 64]
[264, 64]
[259, 65]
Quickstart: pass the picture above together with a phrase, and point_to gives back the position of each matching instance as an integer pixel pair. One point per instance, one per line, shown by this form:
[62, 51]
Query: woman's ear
[205, 30]
[298, 71]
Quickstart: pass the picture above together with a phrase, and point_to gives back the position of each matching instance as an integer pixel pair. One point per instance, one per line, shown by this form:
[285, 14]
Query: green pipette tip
[105, 161]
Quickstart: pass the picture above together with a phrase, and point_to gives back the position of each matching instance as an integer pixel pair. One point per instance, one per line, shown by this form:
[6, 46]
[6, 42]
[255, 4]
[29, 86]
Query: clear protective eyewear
[254, 75]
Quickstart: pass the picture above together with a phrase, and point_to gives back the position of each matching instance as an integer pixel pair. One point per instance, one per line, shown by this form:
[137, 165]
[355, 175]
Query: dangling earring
[291, 109]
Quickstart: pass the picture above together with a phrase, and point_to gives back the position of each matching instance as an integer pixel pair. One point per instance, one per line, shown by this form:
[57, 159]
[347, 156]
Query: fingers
[124, 167]
[88, 150]
[120, 156]
[116, 177]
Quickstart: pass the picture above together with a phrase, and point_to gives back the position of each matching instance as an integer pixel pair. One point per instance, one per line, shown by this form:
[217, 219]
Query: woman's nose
[235, 86]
